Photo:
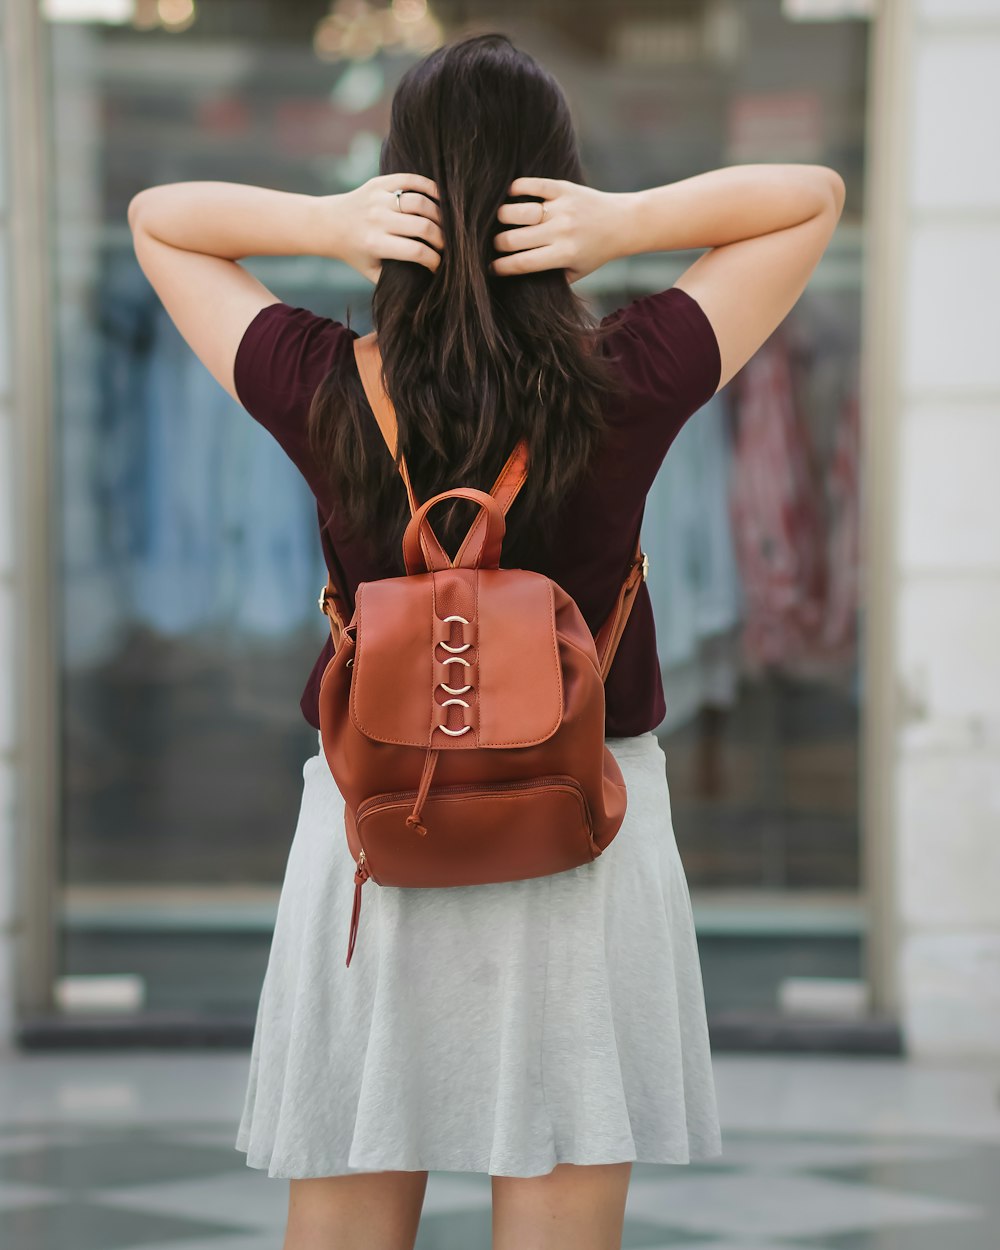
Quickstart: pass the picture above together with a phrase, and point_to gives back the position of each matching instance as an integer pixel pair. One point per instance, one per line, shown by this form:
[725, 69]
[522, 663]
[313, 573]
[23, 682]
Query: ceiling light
[111, 12]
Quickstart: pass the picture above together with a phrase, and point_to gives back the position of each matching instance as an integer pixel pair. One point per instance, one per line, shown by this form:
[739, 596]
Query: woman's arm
[231, 220]
[726, 206]
[188, 237]
[764, 244]
[766, 225]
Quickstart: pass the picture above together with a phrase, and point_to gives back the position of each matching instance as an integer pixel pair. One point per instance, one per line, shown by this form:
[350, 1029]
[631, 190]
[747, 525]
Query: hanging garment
[778, 516]
[230, 527]
[694, 581]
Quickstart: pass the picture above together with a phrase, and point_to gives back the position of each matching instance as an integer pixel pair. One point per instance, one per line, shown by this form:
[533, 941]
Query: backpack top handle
[485, 554]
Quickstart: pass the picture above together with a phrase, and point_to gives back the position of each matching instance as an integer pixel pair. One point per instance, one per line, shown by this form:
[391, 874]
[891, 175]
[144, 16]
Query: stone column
[29, 591]
[946, 765]
[8, 657]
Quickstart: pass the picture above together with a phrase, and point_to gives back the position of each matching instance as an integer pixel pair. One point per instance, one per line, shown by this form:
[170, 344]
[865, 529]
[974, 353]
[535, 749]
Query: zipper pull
[361, 875]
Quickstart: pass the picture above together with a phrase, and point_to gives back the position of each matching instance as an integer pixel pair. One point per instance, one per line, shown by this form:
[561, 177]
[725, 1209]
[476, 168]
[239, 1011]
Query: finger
[420, 205]
[545, 187]
[399, 247]
[532, 261]
[414, 204]
[522, 214]
[526, 236]
[410, 225]
[409, 182]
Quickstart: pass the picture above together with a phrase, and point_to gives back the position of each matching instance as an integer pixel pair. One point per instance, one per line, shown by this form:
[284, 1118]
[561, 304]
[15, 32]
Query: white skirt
[500, 1028]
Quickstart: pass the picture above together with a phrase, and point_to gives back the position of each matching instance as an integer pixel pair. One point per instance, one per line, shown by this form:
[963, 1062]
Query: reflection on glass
[191, 559]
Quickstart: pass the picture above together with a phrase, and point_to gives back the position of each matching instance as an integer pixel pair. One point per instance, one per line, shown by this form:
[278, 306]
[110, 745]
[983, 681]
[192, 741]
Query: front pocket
[478, 833]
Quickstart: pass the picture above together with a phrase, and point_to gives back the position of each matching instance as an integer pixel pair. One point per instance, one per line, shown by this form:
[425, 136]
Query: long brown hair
[471, 360]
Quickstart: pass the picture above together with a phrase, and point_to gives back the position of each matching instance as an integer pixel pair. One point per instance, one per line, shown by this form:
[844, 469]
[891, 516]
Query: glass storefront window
[189, 613]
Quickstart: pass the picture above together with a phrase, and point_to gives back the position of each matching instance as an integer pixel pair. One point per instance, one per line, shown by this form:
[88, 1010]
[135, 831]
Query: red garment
[778, 516]
[669, 359]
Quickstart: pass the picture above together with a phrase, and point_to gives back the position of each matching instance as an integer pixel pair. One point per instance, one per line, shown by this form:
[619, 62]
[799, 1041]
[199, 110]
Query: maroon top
[670, 360]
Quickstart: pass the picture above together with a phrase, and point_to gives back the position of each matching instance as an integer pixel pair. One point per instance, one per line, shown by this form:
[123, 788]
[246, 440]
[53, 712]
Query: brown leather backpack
[462, 713]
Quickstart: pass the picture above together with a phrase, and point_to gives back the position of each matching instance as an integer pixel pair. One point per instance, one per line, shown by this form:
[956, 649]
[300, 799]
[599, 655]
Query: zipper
[397, 797]
[394, 797]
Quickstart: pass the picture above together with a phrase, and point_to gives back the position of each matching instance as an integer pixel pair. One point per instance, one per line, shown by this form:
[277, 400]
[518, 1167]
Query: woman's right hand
[582, 229]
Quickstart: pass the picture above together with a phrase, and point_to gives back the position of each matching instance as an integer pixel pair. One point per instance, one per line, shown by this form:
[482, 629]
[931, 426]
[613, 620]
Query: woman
[552, 1031]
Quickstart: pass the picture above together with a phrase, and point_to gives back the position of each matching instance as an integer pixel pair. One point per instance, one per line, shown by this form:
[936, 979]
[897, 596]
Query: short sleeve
[283, 356]
[668, 355]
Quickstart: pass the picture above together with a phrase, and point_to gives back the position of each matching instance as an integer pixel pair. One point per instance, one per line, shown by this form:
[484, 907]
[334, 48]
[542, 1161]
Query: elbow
[134, 210]
[838, 191]
[827, 189]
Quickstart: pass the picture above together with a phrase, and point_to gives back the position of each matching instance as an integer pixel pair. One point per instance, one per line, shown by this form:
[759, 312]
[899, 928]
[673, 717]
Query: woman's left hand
[375, 229]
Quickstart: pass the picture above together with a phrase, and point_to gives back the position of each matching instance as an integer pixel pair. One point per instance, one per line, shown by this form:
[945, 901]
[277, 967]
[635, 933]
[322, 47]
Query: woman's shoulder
[666, 348]
[667, 358]
[283, 355]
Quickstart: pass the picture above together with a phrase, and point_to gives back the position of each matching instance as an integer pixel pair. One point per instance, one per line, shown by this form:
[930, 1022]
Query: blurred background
[824, 536]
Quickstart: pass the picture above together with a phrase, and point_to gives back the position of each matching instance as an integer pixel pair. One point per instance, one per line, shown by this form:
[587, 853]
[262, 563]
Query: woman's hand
[581, 229]
[371, 228]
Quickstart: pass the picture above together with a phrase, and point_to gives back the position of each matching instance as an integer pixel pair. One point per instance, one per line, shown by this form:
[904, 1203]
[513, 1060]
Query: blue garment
[202, 522]
[694, 582]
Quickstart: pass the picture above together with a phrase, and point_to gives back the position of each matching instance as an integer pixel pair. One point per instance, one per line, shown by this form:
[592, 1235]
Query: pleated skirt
[500, 1028]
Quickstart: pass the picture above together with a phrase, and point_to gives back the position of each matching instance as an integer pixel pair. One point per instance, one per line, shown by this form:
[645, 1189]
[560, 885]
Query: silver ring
[544, 211]
[397, 194]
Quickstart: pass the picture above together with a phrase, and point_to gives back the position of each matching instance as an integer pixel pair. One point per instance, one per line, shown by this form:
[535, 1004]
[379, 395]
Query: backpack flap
[505, 648]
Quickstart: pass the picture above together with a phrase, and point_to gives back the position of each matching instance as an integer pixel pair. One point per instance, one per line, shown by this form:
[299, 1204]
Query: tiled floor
[109, 1151]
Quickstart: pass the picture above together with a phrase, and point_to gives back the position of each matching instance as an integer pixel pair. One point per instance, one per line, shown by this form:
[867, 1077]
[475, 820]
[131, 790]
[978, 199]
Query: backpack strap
[370, 368]
[509, 481]
[609, 635]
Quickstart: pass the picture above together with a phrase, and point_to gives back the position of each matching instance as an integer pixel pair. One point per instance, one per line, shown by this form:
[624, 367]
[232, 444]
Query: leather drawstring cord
[362, 874]
[360, 877]
[413, 820]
